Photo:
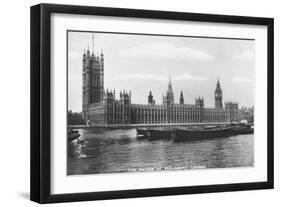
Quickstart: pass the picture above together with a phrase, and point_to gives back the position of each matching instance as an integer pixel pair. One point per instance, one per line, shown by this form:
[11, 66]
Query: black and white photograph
[132, 103]
[145, 102]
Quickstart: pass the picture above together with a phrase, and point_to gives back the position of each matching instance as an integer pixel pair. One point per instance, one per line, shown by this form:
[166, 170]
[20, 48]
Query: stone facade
[102, 108]
[92, 79]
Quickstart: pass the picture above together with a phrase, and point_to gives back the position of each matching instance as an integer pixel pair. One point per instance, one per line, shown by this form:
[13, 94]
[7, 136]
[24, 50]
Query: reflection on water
[112, 151]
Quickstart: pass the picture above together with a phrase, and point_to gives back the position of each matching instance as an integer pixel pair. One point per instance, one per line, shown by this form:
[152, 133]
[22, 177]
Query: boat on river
[72, 135]
[191, 133]
[154, 133]
[242, 129]
[201, 133]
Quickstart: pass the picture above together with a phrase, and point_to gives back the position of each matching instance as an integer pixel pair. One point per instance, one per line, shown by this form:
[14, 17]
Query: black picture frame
[41, 102]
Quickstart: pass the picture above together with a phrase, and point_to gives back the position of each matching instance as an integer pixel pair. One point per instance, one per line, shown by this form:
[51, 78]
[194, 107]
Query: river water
[115, 151]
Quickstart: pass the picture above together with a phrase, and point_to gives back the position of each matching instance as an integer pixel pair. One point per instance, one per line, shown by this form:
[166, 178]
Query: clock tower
[218, 96]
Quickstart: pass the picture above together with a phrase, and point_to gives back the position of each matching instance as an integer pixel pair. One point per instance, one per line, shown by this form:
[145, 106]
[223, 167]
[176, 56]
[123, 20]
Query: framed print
[133, 103]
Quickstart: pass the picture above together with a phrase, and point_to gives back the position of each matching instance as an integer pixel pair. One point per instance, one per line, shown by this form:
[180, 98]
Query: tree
[75, 118]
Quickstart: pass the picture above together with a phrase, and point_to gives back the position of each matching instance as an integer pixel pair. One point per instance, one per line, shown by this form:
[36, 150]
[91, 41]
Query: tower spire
[218, 83]
[170, 94]
[218, 96]
[181, 98]
[88, 52]
[93, 46]
[170, 79]
[170, 83]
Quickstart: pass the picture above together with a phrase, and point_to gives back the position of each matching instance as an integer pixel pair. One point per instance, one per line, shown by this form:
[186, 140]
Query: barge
[192, 133]
[155, 133]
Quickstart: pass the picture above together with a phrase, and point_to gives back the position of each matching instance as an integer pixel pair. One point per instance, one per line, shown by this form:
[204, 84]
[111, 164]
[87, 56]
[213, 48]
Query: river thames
[119, 150]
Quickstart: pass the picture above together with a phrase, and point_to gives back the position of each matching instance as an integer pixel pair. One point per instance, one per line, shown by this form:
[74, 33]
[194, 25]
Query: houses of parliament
[102, 107]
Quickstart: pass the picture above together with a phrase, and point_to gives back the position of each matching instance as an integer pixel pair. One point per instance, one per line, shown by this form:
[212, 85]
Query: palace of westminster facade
[102, 107]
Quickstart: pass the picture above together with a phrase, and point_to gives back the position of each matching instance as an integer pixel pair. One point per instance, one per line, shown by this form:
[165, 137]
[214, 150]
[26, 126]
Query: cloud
[242, 80]
[245, 55]
[187, 76]
[140, 76]
[165, 50]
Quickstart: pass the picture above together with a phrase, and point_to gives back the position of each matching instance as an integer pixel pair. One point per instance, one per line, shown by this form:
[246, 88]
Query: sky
[143, 63]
